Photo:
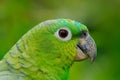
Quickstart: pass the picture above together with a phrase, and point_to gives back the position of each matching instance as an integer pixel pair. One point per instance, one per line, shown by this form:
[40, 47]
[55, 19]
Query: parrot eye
[63, 34]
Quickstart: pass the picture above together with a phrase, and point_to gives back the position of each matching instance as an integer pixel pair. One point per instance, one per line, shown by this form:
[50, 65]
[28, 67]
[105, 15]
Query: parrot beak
[86, 48]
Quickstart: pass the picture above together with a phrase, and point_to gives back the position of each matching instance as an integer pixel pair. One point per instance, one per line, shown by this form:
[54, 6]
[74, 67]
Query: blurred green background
[101, 16]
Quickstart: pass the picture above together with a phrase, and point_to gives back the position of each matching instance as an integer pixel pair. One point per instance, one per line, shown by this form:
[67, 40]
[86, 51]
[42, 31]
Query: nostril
[84, 34]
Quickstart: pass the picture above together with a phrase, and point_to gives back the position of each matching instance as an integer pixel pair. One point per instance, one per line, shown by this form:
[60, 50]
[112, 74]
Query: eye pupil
[63, 33]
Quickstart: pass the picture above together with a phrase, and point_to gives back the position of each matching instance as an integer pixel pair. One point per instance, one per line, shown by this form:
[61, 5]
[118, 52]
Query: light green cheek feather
[40, 55]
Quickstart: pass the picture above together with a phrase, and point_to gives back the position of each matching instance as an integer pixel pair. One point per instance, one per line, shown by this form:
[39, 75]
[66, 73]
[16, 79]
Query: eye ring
[63, 34]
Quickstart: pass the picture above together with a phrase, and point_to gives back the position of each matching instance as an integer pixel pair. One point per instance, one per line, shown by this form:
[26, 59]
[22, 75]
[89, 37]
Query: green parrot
[47, 51]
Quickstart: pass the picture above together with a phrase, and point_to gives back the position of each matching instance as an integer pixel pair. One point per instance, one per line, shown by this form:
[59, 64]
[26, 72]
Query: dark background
[101, 16]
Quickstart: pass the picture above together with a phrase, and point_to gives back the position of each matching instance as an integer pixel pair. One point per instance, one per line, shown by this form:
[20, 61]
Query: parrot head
[65, 40]
[69, 38]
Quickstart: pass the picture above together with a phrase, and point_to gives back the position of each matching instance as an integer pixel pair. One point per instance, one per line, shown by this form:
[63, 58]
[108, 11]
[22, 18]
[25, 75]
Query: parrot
[48, 50]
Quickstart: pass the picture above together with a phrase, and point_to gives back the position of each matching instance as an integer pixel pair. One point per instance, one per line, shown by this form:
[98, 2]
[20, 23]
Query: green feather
[40, 55]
